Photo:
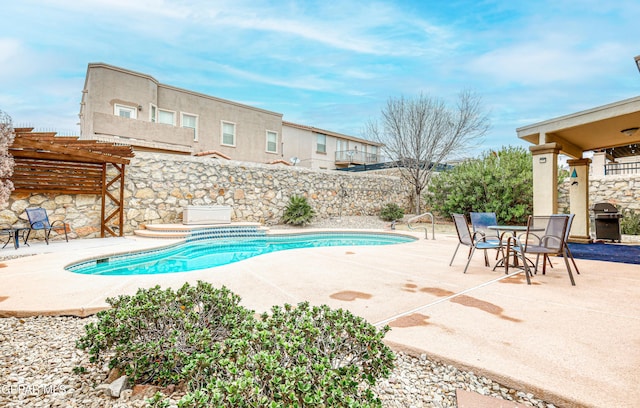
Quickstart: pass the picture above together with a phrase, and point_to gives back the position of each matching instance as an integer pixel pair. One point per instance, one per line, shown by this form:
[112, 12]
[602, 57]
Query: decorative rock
[114, 374]
[116, 387]
[144, 390]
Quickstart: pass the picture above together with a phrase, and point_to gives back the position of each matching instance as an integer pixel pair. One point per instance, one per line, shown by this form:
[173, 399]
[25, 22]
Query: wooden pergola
[46, 163]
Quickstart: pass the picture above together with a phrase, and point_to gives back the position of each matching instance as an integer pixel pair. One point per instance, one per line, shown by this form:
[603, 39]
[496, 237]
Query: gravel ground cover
[38, 357]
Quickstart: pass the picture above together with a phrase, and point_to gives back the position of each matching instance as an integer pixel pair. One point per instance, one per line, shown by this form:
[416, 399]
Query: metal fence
[621, 168]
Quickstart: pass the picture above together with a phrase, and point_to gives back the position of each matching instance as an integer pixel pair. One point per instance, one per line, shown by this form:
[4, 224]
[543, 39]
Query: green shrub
[630, 222]
[152, 334]
[298, 211]
[295, 356]
[500, 182]
[199, 336]
[391, 212]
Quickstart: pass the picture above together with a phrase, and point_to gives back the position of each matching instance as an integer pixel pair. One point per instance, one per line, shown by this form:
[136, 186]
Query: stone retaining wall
[621, 190]
[159, 186]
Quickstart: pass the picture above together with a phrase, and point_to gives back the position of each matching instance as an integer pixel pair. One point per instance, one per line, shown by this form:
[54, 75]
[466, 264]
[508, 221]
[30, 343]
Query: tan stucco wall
[545, 169]
[298, 143]
[106, 86]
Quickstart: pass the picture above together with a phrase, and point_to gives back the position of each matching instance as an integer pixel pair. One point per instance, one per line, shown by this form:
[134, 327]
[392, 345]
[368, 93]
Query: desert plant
[296, 356]
[298, 211]
[391, 212]
[152, 334]
[199, 336]
[630, 222]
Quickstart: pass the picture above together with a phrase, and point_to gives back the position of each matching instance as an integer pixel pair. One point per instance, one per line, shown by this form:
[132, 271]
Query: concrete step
[468, 399]
[180, 231]
[161, 234]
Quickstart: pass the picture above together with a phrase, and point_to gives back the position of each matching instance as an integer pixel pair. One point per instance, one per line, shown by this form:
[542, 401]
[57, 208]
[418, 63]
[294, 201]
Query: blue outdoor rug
[607, 252]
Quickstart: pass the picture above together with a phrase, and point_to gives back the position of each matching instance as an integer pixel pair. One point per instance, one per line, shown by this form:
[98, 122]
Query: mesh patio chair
[480, 222]
[550, 241]
[566, 247]
[39, 220]
[475, 241]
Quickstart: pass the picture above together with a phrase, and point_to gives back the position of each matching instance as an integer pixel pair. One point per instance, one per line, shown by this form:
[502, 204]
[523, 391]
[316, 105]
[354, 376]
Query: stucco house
[122, 106]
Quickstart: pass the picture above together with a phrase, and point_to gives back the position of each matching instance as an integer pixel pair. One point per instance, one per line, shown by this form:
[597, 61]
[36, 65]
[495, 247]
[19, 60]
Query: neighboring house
[323, 149]
[123, 106]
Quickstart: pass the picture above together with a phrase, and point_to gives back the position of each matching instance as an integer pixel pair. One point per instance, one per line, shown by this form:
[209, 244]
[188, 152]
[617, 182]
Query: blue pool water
[209, 253]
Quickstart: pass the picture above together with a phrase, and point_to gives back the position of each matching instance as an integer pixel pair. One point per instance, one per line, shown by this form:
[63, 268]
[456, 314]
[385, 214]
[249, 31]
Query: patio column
[579, 199]
[545, 178]
[599, 160]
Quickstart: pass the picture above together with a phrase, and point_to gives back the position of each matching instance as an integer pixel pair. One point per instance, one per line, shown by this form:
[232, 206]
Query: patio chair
[551, 241]
[566, 240]
[480, 221]
[39, 220]
[475, 241]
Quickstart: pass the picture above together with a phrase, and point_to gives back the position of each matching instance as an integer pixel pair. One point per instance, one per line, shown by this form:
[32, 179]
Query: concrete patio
[573, 346]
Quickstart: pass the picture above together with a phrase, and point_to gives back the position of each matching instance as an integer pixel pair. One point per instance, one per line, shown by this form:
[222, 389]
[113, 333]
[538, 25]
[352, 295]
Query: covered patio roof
[591, 130]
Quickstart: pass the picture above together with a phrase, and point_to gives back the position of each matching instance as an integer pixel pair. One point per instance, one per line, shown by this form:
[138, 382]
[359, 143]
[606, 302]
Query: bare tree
[421, 133]
[7, 135]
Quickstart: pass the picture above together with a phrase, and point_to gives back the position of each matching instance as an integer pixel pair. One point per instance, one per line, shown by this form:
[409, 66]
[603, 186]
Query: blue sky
[328, 64]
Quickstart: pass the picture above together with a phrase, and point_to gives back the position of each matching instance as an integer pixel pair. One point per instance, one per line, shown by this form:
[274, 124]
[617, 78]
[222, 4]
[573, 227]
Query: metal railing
[354, 156]
[417, 227]
[621, 168]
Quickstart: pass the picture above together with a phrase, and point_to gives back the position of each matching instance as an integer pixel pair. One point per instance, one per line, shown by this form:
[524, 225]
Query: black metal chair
[475, 241]
[39, 220]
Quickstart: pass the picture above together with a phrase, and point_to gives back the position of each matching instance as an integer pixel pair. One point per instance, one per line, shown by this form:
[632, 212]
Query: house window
[190, 121]
[153, 113]
[125, 111]
[373, 150]
[321, 143]
[272, 142]
[165, 116]
[228, 134]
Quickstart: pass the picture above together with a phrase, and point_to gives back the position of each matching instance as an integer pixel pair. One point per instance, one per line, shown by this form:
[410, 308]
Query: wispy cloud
[327, 64]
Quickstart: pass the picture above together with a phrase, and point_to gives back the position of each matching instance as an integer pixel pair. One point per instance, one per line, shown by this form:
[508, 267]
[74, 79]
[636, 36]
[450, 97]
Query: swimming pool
[209, 253]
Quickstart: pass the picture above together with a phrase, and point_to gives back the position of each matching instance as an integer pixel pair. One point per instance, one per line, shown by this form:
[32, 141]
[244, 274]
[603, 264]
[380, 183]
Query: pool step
[195, 232]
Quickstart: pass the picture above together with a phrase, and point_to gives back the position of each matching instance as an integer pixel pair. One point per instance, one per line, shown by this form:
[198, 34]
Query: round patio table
[514, 230]
[15, 233]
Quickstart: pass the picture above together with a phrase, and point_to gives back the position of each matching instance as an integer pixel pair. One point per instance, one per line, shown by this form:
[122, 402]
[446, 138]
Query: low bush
[500, 181]
[391, 212]
[630, 222]
[293, 356]
[151, 335]
[298, 211]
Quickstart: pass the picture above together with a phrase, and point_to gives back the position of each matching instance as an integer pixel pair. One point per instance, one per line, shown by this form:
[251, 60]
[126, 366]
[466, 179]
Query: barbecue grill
[607, 221]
